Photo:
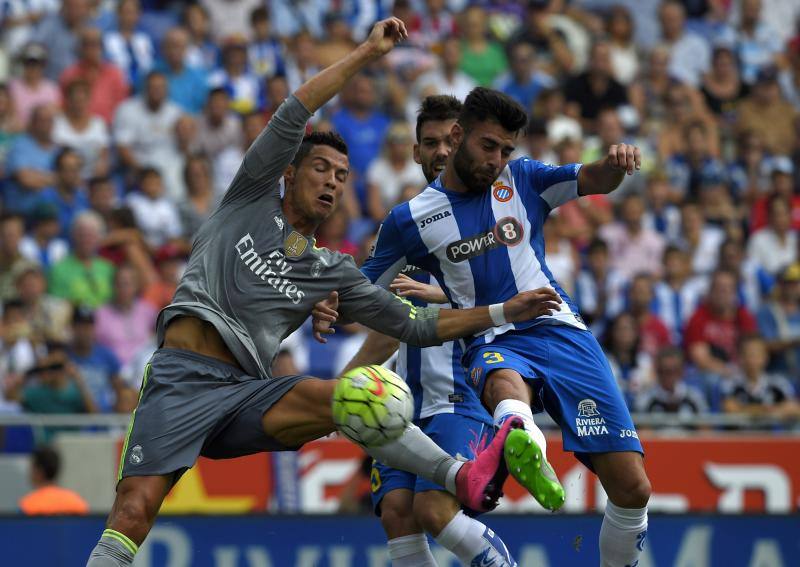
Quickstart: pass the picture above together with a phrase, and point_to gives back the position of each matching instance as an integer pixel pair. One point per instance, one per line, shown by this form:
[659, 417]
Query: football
[372, 405]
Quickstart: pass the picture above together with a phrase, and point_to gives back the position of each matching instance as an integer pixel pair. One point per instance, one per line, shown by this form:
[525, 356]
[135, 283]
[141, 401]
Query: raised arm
[605, 175]
[273, 150]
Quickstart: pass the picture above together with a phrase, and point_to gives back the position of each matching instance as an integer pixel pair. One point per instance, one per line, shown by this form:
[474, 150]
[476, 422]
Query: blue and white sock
[622, 536]
[473, 543]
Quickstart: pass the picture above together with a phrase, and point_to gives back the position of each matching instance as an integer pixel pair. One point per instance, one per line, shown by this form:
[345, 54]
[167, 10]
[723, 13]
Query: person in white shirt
[128, 48]
[156, 216]
[78, 128]
[774, 247]
[392, 171]
[447, 79]
[144, 126]
[690, 54]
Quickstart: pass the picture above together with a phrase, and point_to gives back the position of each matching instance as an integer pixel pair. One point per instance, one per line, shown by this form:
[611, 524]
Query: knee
[431, 518]
[502, 385]
[397, 521]
[631, 492]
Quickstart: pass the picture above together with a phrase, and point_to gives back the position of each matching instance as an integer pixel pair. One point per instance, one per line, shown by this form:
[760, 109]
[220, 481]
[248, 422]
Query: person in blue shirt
[779, 323]
[363, 126]
[523, 82]
[478, 230]
[67, 193]
[188, 86]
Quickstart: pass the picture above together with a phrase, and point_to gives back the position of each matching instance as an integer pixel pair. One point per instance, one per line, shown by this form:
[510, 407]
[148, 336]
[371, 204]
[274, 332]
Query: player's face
[434, 147]
[318, 182]
[481, 153]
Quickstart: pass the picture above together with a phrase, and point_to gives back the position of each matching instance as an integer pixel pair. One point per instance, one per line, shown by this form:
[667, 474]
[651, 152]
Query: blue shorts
[458, 435]
[569, 370]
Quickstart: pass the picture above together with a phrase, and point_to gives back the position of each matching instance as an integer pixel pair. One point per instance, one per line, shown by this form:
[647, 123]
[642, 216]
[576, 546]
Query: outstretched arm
[605, 175]
[273, 150]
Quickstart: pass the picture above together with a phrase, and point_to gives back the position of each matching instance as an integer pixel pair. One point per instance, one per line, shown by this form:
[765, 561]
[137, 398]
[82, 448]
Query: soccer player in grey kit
[253, 277]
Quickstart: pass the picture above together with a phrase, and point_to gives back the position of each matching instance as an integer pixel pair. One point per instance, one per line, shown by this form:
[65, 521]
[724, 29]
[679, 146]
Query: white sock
[416, 453]
[470, 540]
[622, 535]
[507, 408]
[411, 551]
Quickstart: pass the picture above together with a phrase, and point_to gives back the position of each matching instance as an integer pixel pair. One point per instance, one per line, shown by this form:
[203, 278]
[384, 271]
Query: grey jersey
[256, 279]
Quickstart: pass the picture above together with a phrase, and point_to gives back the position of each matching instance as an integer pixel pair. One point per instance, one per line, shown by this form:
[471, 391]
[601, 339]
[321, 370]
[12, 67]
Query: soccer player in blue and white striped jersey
[478, 230]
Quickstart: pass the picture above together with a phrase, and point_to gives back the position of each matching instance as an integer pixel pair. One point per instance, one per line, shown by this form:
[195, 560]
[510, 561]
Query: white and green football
[372, 405]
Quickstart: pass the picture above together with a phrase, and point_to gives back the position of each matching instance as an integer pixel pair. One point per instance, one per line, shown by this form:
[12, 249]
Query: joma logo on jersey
[433, 218]
[270, 270]
[507, 232]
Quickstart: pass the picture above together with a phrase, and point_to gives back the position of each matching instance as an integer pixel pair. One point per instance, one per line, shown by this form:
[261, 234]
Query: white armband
[497, 314]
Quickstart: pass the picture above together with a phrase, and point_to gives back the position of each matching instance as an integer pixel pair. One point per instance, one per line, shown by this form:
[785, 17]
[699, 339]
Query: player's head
[435, 120]
[315, 178]
[484, 136]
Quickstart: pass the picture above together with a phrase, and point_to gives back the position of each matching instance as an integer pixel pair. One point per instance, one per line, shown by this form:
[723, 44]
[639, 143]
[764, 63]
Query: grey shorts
[192, 405]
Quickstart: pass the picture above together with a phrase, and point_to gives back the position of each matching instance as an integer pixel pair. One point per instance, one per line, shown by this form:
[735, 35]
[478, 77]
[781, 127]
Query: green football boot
[534, 473]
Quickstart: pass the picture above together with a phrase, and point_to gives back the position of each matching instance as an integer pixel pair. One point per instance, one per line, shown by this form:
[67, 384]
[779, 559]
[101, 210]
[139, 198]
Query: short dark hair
[148, 171]
[259, 14]
[63, 153]
[46, 460]
[597, 245]
[484, 104]
[436, 108]
[331, 139]
[98, 180]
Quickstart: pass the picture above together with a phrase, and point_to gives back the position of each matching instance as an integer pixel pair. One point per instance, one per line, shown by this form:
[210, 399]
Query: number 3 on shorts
[493, 357]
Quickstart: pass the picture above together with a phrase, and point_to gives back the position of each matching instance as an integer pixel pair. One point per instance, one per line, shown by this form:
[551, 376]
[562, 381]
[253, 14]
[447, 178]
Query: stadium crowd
[122, 123]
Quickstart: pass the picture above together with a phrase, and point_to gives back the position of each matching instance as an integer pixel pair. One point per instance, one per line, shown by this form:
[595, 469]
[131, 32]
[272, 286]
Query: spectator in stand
[700, 240]
[756, 43]
[17, 353]
[302, 62]
[265, 52]
[624, 53]
[243, 86]
[107, 85]
[67, 193]
[99, 366]
[170, 261]
[229, 16]
[363, 126]
[55, 385]
[9, 127]
[535, 144]
[200, 200]
[662, 215]
[144, 126]
[562, 258]
[753, 282]
[43, 245]
[59, 31]
[790, 77]
[124, 244]
[774, 247]
[749, 172]
[523, 82]
[228, 161]
[753, 391]
[715, 328]
[48, 316]
[679, 293]
[187, 84]
[781, 172]
[690, 54]
[648, 93]
[332, 233]
[595, 89]
[393, 170]
[83, 277]
[277, 90]
[633, 248]
[292, 17]
[155, 214]
[12, 229]
[481, 58]
[687, 169]
[218, 128]
[632, 366]
[128, 48]
[447, 78]
[599, 288]
[87, 133]
[723, 87]
[47, 498]
[653, 333]
[550, 107]
[30, 161]
[32, 88]
[202, 53]
[537, 30]
[779, 323]
[338, 40]
[671, 393]
[102, 196]
[126, 323]
[685, 106]
[768, 114]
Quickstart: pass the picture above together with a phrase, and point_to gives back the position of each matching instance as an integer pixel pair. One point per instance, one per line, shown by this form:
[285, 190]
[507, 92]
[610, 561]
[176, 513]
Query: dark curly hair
[331, 139]
[484, 104]
[436, 108]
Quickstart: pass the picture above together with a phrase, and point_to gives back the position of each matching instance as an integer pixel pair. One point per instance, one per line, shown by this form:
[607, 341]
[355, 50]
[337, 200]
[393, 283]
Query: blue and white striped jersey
[483, 248]
[435, 375]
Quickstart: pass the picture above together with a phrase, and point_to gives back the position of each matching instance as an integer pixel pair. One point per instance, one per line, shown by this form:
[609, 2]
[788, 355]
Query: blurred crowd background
[122, 123]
